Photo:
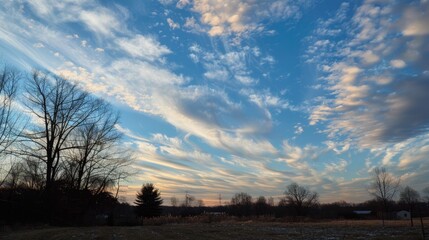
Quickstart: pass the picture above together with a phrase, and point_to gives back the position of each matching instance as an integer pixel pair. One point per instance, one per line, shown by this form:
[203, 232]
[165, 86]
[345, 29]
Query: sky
[220, 97]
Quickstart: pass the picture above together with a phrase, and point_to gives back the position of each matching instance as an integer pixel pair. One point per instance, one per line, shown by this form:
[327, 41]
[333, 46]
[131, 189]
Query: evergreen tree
[148, 201]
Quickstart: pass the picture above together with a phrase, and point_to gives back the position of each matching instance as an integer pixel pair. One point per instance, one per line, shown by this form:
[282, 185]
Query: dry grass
[231, 229]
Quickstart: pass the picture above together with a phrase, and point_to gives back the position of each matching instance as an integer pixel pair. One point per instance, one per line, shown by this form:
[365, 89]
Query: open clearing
[230, 230]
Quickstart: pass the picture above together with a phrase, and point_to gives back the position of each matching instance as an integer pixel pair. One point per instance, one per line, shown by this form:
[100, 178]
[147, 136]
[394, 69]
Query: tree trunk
[421, 223]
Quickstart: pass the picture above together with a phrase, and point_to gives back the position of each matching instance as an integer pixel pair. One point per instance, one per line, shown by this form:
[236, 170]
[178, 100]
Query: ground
[332, 230]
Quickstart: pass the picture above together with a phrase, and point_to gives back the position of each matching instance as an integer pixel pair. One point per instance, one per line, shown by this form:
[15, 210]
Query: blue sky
[218, 97]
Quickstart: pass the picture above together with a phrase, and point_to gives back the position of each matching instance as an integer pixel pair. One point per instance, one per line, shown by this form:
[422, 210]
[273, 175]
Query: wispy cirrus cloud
[143, 46]
[96, 18]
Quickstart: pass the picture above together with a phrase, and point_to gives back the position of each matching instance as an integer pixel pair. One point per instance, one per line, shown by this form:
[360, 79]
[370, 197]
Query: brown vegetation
[232, 229]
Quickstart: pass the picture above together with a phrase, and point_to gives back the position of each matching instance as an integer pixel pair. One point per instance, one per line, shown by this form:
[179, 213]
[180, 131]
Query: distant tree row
[297, 202]
[297, 198]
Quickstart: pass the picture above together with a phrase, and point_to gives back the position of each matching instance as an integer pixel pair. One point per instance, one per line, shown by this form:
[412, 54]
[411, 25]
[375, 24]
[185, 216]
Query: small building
[403, 215]
[362, 214]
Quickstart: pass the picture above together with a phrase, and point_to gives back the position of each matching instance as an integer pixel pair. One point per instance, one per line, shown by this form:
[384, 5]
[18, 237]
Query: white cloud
[203, 112]
[398, 63]
[195, 48]
[72, 36]
[230, 65]
[265, 99]
[369, 57]
[246, 80]
[173, 25]
[100, 21]
[339, 166]
[338, 148]
[38, 45]
[144, 47]
[193, 26]
[239, 17]
[166, 2]
[195, 59]
[268, 59]
[217, 73]
[165, 140]
[298, 129]
[183, 3]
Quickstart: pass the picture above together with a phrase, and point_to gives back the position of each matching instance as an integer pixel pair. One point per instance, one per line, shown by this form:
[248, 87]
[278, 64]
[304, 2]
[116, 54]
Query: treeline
[60, 153]
[298, 203]
[336, 210]
[331, 211]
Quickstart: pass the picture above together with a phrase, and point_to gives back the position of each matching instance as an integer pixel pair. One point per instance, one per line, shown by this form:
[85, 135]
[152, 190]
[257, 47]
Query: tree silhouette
[384, 188]
[60, 108]
[261, 206]
[173, 201]
[9, 119]
[426, 194]
[73, 141]
[148, 202]
[94, 159]
[300, 197]
[410, 197]
[10, 124]
[241, 204]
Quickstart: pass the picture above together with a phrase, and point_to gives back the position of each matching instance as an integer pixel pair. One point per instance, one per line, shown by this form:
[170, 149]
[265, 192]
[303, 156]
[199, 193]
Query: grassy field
[230, 230]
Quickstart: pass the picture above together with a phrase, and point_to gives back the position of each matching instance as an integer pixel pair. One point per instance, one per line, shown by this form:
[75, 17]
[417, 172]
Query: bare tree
[9, 119]
[261, 206]
[32, 174]
[75, 138]
[384, 188]
[300, 197]
[241, 204]
[58, 108]
[189, 200]
[93, 152]
[241, 199]
[410, 197]
[14, 176]
[173, 201]
[200, 203]
[270, 201]
[426, 194]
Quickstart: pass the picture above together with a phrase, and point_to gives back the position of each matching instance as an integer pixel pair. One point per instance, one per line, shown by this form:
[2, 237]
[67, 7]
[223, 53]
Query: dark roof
[362, 212]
